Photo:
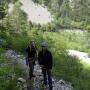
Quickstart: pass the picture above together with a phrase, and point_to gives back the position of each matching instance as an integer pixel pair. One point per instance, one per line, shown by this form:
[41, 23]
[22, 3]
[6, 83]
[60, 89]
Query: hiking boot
[50, 88]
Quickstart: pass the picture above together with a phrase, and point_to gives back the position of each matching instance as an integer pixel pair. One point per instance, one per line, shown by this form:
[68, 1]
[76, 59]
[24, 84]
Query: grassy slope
[66, 67]
[9, 72]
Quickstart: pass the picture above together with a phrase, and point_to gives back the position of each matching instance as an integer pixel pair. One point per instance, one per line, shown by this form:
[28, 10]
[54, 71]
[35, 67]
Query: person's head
[44, 45]
[32, 43]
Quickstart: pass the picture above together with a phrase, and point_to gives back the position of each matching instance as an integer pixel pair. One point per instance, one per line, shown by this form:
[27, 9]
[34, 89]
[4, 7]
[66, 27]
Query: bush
[76, 25]
[19, 43]
[8, 75]
[88, 27]
[2, 42]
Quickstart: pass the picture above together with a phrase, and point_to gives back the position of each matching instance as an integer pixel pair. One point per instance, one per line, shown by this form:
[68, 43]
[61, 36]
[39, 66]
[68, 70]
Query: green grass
[67, 67]
[9, 74]
[71, 70]
[69, 40]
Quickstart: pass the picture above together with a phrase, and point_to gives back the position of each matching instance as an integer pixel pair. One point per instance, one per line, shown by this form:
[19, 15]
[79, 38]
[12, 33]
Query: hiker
[31, 56]
[45, 61]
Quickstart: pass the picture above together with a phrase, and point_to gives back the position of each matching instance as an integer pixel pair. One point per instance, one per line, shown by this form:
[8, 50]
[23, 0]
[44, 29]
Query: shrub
[19, 43]
[88, 27]
[8, 75]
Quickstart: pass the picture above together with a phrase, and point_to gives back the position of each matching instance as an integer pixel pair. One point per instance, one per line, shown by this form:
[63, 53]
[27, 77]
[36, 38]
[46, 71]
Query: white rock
[80, 55]
[36, 13]
[21, 80]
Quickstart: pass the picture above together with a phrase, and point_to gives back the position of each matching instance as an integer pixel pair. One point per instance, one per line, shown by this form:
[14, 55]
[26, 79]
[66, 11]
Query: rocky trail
[37, 82]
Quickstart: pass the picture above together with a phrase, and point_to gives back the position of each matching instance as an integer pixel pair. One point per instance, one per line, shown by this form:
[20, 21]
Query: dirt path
[36, 83]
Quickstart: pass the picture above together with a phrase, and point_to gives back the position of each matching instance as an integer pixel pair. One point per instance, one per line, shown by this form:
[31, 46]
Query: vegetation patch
[9, 73]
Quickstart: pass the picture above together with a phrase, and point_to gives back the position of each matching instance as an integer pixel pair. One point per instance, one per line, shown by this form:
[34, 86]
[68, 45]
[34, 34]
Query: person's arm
[27, 49]
[39, 59]
[27, 61]
[51, 60]
[36, 55]
[26, 56]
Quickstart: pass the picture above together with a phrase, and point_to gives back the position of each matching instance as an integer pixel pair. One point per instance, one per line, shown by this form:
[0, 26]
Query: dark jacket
[45, 59]
[31, 52]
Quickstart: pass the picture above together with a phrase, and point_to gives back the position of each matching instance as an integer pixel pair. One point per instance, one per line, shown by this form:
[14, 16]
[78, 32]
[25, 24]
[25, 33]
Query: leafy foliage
[8, 75]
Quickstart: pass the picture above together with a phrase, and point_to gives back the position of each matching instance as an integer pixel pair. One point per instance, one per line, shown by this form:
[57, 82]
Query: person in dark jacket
[45, 61]
[31, 56]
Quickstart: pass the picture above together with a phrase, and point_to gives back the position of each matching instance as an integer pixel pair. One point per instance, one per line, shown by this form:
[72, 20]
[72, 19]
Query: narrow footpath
[36, 83]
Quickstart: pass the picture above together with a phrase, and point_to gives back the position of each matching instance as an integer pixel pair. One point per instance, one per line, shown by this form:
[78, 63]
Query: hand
[41, 66]
[27, 63]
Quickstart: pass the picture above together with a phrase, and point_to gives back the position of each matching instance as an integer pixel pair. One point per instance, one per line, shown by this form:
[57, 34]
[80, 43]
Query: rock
[62, 82]
[35, 12]
[21, 80]
[82, 56]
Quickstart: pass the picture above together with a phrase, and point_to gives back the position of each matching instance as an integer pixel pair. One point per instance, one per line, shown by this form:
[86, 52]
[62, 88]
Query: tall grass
[72, 70]
[8, 73]
[67, 67]
[70, 40]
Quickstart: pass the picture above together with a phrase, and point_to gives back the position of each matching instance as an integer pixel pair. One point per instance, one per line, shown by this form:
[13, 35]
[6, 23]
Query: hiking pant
[47, 74]
[31, 67]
